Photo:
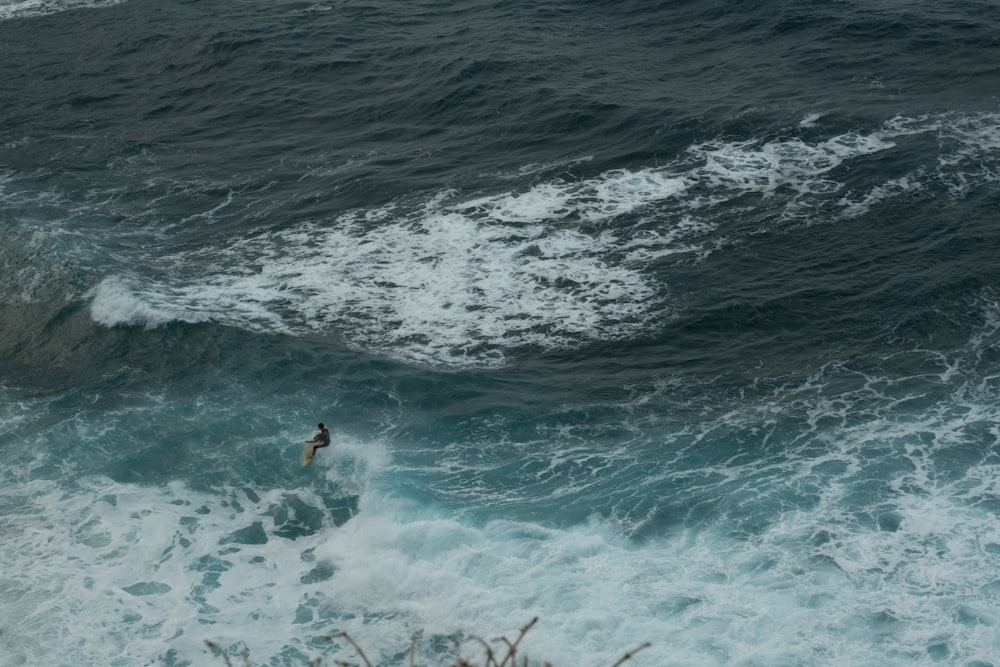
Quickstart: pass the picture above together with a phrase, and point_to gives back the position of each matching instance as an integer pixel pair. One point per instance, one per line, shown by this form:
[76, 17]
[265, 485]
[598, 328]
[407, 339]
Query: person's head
[321, 425]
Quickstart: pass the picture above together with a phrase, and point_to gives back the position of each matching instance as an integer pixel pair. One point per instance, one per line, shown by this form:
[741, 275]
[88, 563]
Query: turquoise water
[664, 322]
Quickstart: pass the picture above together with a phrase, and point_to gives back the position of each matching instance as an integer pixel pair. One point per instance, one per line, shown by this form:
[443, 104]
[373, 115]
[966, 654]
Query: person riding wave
[321, 439]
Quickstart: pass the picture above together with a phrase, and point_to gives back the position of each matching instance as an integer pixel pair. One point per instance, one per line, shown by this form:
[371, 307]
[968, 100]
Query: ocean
[669, 321]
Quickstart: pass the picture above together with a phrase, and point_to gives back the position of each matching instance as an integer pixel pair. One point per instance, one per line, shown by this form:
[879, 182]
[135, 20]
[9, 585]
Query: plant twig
[353, 643]
[512, 648]
[628, 656]
[218, 649]
[490, 660]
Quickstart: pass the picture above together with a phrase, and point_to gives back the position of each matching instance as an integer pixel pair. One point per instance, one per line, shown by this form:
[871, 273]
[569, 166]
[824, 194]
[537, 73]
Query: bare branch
[353, 643]
[628, 656]
[491, 656]
[512, 650]
[218, 649]
[490, 659]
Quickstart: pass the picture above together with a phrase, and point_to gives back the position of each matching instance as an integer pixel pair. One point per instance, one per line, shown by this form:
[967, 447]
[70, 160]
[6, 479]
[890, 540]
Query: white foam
[453, 283]
[114, 301]
[15, 9]
[810, 120]
[121, 574]
[438, 284]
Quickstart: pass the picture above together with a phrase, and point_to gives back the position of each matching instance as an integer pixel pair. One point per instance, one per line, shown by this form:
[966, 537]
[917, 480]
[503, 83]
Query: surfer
[321, 439]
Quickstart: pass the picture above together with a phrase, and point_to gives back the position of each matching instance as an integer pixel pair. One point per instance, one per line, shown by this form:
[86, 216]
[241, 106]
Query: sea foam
[15, 9]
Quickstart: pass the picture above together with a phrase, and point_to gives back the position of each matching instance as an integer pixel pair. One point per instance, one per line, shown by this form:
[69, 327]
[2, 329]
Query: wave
[449, 280]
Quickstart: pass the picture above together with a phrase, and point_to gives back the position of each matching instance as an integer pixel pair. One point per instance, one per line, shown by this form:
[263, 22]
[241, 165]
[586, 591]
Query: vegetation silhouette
[508, 659]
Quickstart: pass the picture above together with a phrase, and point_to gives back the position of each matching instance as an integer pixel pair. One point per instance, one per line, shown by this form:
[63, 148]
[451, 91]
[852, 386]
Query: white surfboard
[308, 452]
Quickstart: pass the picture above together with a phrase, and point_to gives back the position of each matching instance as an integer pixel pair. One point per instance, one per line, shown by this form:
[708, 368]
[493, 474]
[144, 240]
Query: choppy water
[669, 322]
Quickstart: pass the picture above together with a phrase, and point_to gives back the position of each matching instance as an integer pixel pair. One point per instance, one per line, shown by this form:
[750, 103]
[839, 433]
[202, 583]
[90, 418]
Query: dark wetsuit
[323, 438]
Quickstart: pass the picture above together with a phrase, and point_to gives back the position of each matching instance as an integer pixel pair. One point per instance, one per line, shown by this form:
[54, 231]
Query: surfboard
[307, 453]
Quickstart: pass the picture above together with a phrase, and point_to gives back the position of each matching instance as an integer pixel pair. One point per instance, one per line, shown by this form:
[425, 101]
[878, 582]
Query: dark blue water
[671, 322]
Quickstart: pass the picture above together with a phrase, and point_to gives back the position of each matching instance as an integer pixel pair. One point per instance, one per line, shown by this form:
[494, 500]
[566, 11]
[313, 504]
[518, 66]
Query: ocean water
[668, 322]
